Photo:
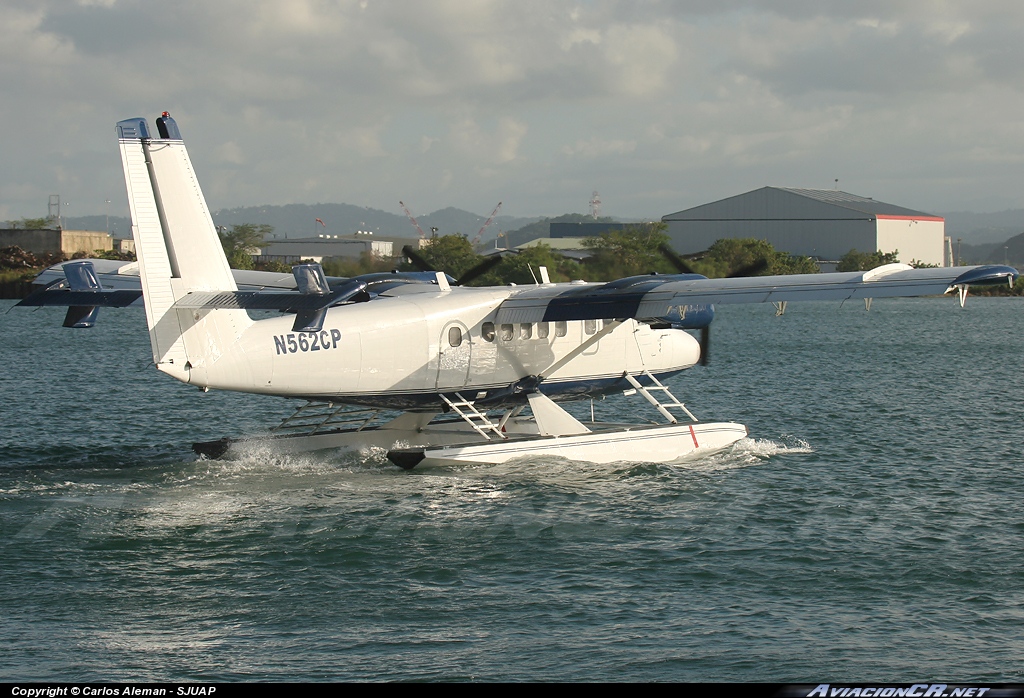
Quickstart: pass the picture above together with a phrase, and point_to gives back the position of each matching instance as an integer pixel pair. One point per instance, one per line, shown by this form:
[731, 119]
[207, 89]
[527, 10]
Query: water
[870, 529]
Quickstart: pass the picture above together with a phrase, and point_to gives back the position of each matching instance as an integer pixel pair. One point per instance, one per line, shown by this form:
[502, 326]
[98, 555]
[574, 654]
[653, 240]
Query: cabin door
[455, 352]
[647, 343]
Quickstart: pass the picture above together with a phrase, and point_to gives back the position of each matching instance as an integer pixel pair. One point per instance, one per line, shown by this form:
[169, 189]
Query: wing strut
[961, 291]
[609, 327]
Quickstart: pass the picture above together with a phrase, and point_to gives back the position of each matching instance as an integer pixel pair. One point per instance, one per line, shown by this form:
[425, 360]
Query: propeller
[417, 261]
[479, 270]
[681, 266]
[679, 262]
[475, 272]
[752, 269]
[705, 345]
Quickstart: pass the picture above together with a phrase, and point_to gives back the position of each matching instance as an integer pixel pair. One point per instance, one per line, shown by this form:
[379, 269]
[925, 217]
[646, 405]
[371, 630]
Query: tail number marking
[295, 342]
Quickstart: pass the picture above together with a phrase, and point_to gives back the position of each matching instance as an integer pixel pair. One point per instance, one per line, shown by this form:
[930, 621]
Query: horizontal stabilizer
[83, 299]
[254, 300]
[248, 300]
[310, 308]
[65, 297]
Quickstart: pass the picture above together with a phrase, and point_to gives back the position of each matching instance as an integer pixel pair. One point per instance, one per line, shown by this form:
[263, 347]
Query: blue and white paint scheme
[419, 343]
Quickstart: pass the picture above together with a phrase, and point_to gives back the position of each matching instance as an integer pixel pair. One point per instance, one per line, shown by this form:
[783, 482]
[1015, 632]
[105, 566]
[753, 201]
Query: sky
[658, 106]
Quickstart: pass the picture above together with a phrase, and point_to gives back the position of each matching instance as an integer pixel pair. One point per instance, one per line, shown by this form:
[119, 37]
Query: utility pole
[53, 213]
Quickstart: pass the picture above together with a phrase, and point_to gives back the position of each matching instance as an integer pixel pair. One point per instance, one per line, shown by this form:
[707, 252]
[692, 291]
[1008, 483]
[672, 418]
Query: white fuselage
[405, 347]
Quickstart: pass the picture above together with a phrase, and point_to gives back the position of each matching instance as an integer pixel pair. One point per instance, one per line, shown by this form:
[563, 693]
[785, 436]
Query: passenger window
[560, 328]
[487, 331]
[590, 326]
[525, 330]
[542, 330]
[507, 332]
[455, 336]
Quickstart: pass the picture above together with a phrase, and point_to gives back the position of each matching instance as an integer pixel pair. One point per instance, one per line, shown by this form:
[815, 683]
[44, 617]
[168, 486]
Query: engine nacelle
[689, 317]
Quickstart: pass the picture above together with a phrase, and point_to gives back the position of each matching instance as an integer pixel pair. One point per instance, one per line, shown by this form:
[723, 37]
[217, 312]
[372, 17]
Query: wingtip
[988, 274]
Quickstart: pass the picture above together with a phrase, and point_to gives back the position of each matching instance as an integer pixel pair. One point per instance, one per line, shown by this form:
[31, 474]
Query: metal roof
[784, 203]
[857, 203]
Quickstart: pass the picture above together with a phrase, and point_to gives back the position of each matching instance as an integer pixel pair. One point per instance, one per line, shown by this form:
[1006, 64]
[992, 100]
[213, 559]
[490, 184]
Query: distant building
[582, 230]
[571, 248]
[819, 223]
[46, 241]
[292, 250]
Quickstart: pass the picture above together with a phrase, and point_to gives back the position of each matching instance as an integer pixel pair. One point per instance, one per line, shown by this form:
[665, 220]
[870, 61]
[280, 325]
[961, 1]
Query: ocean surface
[870, 529]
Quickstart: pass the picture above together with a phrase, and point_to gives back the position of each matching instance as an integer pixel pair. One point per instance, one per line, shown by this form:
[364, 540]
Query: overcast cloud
[657, 105]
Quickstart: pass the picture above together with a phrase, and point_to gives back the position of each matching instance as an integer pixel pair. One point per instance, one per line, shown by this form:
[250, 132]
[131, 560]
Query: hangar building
[820, 223]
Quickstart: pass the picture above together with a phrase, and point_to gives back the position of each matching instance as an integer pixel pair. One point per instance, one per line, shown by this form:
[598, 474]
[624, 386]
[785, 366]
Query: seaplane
[414, 363]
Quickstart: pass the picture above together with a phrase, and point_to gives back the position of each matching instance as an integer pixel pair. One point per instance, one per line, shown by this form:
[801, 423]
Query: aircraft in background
[461, 364]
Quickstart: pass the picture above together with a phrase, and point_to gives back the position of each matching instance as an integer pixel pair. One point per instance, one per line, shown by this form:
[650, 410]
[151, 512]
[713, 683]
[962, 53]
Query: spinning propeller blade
[475, 272]
[416, 260]
[480, 269]
[675, 259]
[680, 264]
[752, 269]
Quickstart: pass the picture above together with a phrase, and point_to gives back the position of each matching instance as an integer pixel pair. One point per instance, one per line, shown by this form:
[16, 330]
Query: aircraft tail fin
[178, 250]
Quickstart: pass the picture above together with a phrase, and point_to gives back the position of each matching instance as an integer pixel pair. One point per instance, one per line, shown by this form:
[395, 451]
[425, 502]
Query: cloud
[530, 102]
[426, 142]
[639, 59]
[230, 152]
[497, 146]
[597, 147]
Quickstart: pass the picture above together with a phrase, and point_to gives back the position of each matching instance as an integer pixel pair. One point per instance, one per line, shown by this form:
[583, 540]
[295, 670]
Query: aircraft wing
[656, 296]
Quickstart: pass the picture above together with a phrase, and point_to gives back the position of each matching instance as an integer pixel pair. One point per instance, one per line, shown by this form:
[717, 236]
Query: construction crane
[487, 223]
[411, 218]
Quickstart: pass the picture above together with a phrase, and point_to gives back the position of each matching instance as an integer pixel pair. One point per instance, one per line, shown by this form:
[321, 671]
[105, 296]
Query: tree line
[633, 250]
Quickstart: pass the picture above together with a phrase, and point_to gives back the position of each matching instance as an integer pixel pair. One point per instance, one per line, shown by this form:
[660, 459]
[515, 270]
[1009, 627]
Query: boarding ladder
[317, 416]
[480, 422]
[663, 407]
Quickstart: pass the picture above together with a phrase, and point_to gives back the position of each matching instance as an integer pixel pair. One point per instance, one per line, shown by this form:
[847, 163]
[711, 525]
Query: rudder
[178, 251]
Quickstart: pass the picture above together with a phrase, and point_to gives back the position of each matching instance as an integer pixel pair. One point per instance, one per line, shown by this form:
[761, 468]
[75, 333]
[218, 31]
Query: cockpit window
[455, 336]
